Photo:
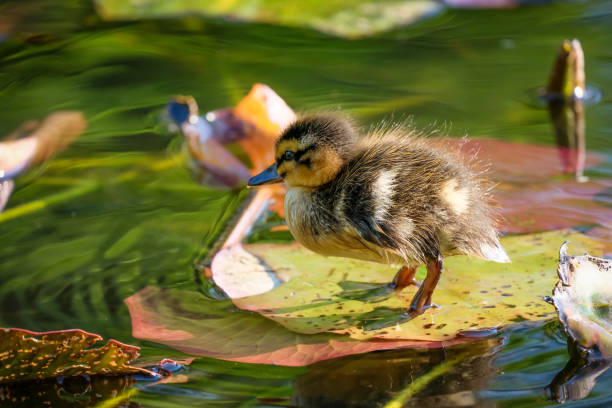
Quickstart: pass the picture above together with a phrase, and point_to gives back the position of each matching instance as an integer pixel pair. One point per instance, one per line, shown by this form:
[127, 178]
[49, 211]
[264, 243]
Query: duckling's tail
[495, 252]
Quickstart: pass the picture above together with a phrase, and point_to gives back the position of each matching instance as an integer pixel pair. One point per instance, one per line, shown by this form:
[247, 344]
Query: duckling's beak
[268, 176]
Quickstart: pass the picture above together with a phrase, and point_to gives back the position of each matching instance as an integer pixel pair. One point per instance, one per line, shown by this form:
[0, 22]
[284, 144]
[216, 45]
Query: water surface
[144, 220]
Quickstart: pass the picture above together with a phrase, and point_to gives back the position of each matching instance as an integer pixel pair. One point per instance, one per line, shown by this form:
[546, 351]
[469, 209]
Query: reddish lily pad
[327, 294]
[514, 162]
[27, 355]
[550, 205]
[194, 324]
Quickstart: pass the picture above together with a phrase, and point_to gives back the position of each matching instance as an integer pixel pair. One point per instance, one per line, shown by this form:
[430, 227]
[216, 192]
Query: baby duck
[389, 197]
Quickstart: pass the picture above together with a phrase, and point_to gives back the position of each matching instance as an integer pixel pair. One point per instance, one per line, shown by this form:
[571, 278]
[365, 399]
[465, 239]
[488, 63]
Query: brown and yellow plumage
[389, 197]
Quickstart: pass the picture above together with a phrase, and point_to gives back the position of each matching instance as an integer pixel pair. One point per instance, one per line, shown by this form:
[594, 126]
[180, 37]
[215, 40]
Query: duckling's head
[310, 152]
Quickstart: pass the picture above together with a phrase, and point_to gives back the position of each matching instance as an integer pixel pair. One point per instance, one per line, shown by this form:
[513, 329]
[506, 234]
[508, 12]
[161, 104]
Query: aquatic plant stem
[37, 205]
[418, 384]
[80, 189]
[119, 399]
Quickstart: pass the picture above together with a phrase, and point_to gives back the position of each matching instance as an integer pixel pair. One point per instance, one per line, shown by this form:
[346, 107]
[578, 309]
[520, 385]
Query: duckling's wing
[381, 239]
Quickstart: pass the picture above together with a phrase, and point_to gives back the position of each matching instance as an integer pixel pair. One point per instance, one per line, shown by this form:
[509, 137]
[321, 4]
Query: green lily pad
[355, 19]
[27, 355]
[345, 296]
[194, 324]
[583, 299]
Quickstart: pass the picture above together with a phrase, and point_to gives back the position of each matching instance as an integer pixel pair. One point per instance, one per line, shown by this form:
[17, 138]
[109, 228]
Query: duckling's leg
[404, 277]
[422, 299]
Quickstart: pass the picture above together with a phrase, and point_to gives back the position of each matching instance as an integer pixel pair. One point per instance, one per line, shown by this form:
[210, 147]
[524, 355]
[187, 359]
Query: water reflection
[579, 376]
[71, 392]
[565, 94]
[371, 380]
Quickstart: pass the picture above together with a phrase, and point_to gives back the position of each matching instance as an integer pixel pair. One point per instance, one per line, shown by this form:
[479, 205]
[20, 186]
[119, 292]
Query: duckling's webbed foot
[404, 277]
[422, 299]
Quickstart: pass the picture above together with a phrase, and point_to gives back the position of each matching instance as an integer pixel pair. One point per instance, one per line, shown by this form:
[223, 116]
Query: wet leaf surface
[583, 299]
[326, 294]
[197, 325]
[27, 355]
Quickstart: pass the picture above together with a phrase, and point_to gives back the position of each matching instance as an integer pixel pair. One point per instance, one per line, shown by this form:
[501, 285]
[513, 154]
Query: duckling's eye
[288, 155]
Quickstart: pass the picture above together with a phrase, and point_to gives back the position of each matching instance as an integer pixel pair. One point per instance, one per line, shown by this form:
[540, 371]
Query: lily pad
[529, 163]
[555, 204]
[355, 19]
[583, 299]
[344, 296]
[27, 355]
[194, 324]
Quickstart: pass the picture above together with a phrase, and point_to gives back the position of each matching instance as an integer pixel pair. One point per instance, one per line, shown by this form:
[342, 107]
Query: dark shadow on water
[373, 379]
[71, 392]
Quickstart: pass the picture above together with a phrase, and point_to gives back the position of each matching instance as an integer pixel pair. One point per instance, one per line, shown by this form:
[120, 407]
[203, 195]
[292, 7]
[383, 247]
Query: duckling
[389, 197]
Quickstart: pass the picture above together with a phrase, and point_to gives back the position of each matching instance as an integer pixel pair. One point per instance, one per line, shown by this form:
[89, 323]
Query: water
[142, 220]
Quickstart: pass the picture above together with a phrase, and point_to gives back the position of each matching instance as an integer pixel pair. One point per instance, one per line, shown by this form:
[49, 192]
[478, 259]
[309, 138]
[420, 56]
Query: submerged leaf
[327, 294]
[27, 355]
[583, 299]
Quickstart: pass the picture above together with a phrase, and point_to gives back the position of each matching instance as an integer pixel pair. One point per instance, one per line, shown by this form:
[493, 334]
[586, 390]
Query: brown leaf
[55, 133]
[27, 355]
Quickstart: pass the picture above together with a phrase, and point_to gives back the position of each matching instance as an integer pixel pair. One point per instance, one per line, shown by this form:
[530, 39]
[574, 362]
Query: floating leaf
[355, 19]
[57, 131]
[583, 299]
[530, 163]
[549, 205]
[327, 294]
[254, 124]
[268, 114]
[27, 355]
[194, 324]
[528, 199]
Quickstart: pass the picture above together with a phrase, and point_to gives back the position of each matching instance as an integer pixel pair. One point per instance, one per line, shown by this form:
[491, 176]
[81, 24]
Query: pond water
[137, 218]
